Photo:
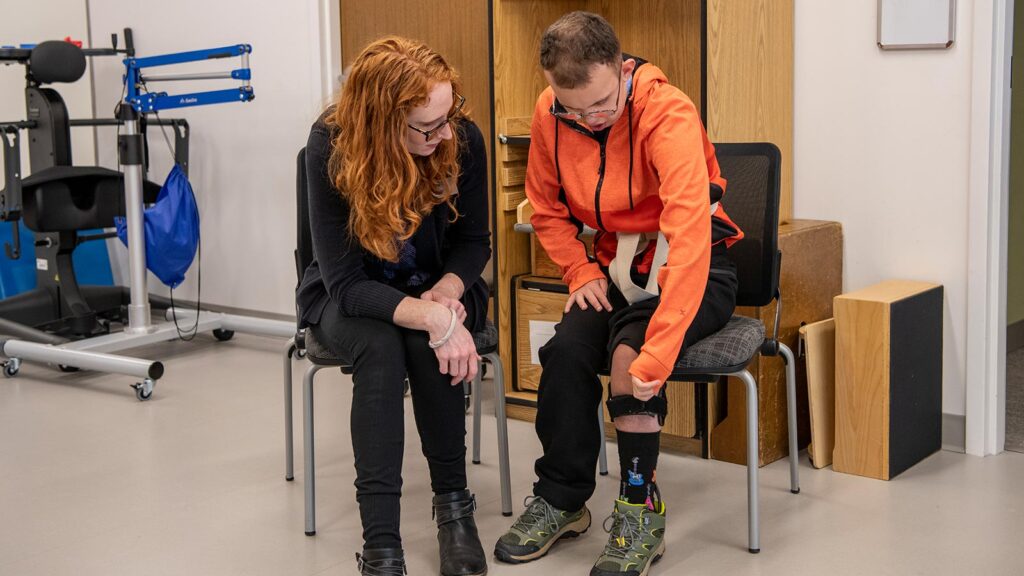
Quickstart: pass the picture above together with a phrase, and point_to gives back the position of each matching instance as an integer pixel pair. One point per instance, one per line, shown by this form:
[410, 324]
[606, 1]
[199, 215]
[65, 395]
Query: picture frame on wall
[916, 24]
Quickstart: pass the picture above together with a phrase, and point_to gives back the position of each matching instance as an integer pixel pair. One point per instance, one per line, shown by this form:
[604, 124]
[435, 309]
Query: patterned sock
[638, 459]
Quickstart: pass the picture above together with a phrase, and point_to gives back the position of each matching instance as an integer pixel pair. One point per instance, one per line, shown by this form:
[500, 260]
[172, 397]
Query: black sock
[638, 459]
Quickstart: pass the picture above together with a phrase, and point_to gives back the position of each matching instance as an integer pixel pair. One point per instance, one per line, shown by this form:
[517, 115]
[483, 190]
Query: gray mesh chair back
[753, 175]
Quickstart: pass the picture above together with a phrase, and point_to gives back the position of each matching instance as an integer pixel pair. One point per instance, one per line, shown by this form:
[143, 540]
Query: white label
[42, 264]
[540, 332]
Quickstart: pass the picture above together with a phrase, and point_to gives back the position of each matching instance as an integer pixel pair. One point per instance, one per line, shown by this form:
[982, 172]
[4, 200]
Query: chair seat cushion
[69, 198]
[734, 345]
[486, 340]
[320, 354]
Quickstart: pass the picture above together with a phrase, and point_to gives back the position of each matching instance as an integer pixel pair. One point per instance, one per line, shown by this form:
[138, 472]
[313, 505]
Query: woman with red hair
[398, 212]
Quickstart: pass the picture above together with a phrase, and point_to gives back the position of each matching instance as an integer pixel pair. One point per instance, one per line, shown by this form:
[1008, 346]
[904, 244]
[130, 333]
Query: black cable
[189, 333]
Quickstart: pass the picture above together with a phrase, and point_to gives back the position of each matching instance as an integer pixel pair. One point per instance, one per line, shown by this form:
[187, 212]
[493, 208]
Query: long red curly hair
[388, 189]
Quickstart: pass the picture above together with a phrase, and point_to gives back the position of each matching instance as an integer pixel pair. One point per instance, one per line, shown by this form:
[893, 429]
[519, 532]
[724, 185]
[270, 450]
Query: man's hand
[644, 391]
[594, 292]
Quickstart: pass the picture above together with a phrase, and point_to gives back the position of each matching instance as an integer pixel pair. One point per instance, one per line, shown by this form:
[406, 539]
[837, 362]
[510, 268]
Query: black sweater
[344, 274]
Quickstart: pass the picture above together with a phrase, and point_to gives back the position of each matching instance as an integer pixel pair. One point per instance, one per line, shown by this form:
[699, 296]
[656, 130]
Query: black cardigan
[343, 274]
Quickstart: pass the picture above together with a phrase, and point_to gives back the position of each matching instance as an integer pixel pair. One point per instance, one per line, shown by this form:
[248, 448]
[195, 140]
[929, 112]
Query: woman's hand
[457, 357]
[446, 301]
[450, 286]
[595, 292]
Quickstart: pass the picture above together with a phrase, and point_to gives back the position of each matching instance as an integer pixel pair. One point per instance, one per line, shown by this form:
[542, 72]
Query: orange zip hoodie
[655, 171]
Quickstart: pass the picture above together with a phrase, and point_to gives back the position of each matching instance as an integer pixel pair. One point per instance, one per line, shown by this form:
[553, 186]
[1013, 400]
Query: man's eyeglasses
[559, 111]
[460, 100]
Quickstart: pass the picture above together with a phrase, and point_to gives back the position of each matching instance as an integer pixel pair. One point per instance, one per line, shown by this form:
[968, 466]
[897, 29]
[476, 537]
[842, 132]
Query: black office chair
[753, 173]
[305, 345]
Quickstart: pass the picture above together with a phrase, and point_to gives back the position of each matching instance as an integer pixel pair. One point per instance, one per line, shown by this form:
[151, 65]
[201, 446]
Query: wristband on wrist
[451, 329]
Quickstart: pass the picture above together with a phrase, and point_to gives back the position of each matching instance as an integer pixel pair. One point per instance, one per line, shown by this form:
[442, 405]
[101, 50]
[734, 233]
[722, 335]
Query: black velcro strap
[629, 405]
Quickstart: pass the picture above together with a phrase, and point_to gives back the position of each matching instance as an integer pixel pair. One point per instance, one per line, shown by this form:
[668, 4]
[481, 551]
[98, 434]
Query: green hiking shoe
[537, 529]
[636, 539]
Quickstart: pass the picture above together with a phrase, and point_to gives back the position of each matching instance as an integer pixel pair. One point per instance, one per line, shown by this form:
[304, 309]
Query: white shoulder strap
[629, 245]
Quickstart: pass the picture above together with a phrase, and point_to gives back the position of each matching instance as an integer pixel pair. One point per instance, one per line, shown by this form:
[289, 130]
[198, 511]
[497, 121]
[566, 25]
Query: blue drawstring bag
[171, 229]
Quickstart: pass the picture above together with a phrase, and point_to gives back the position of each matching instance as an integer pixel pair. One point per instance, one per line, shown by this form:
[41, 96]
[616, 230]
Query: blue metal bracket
[139, 98]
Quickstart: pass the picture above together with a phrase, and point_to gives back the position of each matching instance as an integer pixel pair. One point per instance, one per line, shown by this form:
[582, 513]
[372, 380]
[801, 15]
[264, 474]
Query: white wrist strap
[451, 329]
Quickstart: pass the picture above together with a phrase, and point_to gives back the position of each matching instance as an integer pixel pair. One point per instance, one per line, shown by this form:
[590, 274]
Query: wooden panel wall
[750, 78]
[455, 28]
[518, 80]
[669, 39]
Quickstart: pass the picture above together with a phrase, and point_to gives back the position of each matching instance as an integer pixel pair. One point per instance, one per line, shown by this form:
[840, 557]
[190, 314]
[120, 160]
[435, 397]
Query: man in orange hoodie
[616, 148]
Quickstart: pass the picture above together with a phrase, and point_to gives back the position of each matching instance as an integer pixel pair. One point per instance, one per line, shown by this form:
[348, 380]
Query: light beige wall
[882, 145]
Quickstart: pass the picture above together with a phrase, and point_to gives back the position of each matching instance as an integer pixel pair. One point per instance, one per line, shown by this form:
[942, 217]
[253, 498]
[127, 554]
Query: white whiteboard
[910, 24]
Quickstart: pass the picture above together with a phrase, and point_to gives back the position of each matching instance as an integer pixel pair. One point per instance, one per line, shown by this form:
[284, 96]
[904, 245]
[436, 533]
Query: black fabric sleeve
[469, 237]
[338, 255]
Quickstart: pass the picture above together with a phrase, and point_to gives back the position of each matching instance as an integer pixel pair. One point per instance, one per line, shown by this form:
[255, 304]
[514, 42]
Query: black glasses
[460, 100]
[588, 116]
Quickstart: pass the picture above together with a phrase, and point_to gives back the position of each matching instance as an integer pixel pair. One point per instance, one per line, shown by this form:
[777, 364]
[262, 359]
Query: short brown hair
[574, 43]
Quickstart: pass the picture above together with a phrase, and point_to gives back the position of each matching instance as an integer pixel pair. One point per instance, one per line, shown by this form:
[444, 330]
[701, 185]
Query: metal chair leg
[794, 448]
[499, 414]
[752, 462]
[289, 457]
[307, 444]
[477, 383]
[602, 457]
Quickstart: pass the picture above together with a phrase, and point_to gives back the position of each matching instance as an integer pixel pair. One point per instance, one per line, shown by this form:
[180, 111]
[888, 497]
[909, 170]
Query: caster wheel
[223, 335]
[300, 354]
[66, 368]
[11, 367]
[144, 389]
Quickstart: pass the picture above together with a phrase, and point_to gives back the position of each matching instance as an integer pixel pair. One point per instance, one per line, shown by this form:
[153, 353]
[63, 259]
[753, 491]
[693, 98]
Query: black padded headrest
[56, 61]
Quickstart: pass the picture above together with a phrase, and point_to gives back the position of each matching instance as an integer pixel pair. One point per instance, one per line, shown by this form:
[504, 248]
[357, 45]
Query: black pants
[382, 354]
[570, 391]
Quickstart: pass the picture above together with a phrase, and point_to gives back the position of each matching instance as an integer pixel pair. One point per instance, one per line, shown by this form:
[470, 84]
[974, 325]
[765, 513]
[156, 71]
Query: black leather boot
[457, 538]
[381, 562]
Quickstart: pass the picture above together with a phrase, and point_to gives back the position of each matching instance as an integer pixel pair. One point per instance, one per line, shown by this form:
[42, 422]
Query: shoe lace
[624, 531]
[382, 567]
[538, 513]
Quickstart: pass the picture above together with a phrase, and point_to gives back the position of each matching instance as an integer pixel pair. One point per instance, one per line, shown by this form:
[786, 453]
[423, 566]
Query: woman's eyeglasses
[460, 100]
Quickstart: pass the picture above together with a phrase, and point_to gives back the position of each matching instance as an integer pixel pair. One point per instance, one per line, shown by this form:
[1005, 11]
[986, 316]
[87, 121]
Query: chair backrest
[304, 236]
[753, 175]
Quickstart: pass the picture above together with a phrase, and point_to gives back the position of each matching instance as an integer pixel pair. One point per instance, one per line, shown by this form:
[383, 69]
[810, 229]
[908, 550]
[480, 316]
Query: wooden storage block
[888, 377]
[812, 275]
